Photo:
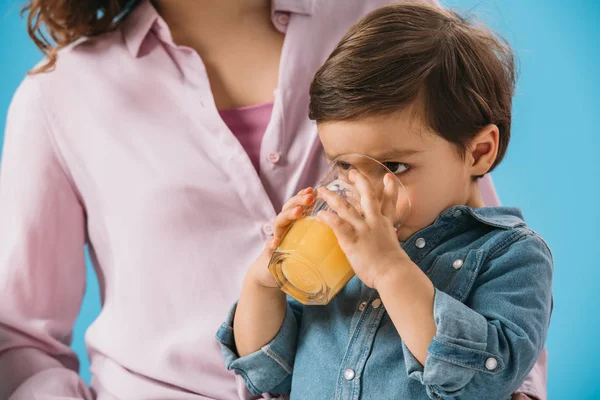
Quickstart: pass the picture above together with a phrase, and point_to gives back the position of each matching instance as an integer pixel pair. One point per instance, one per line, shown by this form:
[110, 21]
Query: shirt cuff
[456, 353]
[535, 384]
[526, 394]
[268, 369]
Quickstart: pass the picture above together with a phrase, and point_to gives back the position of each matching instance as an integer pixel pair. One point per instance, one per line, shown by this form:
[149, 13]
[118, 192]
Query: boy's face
[435, 176]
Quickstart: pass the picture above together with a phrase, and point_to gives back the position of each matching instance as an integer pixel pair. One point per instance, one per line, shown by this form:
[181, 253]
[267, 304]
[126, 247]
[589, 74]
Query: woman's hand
[369, 240]
[292, 210]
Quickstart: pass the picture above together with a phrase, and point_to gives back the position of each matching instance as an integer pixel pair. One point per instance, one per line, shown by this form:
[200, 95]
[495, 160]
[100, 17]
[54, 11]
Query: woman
[165, 135]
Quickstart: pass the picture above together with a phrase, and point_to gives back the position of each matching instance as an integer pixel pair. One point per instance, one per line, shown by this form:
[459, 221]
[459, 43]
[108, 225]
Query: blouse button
[283, 19]
[267, 229]
[274, 157]
[491, 363]
[420, 243]
[349, 374]
[457, 264]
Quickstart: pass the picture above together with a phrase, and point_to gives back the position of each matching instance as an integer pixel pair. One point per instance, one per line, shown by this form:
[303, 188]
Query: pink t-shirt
[121, 148]
[248, 125]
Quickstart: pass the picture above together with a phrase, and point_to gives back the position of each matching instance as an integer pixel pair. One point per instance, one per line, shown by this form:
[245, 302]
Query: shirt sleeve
[42, 267]
[488, 192]
[535, 383]
[490, 342]
[268, 370]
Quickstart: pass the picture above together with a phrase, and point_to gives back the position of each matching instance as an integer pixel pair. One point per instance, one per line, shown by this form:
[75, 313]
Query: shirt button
[376, 303]
[420, 243]
[457, 264]
[283, 19]
[349, 374]
[274, 157]
[362, 306]
[457, 213]
[491, 363]
[267, 229]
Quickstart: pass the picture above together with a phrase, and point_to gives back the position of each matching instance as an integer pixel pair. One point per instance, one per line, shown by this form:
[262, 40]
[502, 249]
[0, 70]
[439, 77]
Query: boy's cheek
[422, 214]
[411, 224]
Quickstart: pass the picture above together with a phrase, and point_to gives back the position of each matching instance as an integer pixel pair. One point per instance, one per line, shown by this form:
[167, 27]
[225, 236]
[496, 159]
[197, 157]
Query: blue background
[552, 169]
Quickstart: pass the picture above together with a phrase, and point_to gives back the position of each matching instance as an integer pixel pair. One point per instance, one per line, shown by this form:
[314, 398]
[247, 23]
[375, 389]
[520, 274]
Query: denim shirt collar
[456, 220]
[498, 217]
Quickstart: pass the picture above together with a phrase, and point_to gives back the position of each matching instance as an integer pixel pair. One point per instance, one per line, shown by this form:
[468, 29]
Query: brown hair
[461, 74]
[65, 21]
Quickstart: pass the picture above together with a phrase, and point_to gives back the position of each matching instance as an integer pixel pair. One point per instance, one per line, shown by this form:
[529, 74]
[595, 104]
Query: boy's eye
[396, 167]
[344, 165]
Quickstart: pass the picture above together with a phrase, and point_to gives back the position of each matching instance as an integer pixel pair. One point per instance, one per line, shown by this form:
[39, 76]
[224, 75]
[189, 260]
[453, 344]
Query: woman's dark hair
[460, 74]
[55, 24]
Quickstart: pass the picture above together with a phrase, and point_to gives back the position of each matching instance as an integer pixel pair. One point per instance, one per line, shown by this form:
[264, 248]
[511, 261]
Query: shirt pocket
[454, 273]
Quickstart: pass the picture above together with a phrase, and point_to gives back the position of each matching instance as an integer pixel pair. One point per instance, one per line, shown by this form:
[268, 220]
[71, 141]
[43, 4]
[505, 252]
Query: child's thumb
[271, 245]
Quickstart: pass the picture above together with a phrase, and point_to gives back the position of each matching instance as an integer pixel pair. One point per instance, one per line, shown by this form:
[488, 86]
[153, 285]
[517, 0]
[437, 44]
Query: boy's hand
[292, 210]
[369, 240]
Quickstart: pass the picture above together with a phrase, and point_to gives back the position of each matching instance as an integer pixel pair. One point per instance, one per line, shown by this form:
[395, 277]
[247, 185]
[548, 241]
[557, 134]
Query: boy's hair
[461, 76]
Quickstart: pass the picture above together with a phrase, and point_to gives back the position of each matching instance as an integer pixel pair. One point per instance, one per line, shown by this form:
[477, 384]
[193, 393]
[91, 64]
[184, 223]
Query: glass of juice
[309, 264]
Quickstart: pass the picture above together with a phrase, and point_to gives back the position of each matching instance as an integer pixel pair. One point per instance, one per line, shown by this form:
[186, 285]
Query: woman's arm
[42, 267]
[534, 386]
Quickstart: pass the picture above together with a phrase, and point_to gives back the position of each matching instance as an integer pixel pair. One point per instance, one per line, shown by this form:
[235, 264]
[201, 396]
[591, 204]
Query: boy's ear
[483, 150]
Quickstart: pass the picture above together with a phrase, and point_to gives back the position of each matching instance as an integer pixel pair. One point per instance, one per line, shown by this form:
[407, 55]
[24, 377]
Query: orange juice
[309, 264]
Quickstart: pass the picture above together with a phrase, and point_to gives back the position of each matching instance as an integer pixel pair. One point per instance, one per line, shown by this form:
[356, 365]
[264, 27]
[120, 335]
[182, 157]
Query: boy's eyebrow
[388, 155]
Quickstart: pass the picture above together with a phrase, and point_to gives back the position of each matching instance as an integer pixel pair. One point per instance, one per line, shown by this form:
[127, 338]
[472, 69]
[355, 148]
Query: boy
[454, 304]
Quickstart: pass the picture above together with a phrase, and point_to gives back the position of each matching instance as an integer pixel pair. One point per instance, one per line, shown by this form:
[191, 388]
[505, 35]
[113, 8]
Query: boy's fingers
[284, 219]
[340, 206]
[341, 228]
[390, 196]
[368, 201]
[267, 253]
[301, 199]
[271, 245]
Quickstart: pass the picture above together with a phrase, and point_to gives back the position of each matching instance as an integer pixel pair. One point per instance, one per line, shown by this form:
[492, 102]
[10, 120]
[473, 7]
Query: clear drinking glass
[309, 264]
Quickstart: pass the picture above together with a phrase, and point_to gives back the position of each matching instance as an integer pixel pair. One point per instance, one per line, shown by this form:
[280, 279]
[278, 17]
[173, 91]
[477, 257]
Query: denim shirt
[492, 309]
